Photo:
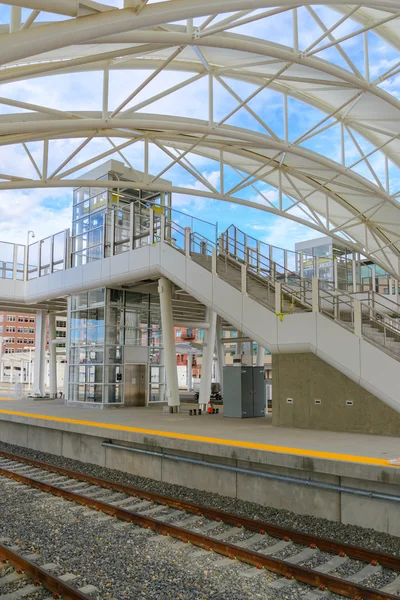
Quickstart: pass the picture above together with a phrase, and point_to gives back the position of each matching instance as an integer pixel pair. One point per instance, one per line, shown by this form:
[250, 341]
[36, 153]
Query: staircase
[282, 291]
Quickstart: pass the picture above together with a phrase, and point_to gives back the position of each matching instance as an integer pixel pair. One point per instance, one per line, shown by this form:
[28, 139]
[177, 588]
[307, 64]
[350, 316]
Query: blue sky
[49, 211]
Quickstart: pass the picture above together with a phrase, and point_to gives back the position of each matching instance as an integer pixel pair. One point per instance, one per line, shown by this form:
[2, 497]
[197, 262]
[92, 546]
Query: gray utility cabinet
[244, 392]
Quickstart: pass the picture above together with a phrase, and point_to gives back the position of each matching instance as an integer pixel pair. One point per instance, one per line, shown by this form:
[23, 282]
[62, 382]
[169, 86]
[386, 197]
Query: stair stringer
[367, 365]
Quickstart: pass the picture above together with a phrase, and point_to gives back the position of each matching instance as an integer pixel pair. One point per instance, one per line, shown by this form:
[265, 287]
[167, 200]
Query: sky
[49, 211]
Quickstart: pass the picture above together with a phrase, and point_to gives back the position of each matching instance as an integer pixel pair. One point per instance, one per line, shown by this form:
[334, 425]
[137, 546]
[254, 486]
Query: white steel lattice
[235, 52]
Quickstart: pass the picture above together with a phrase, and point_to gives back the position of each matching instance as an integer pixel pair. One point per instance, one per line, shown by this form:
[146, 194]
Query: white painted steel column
[260, 356]
[167, 322]
[40, 353]
[220, 352]
[53, 356]
[190, 372]
[208, 358]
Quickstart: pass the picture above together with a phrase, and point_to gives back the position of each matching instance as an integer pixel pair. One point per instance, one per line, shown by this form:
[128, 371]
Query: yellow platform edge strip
[209, 440]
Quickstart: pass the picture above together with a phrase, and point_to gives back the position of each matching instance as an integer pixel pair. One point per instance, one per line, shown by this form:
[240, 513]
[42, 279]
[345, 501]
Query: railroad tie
[21, 593]
[393, 587]
[4, 581]
[366, 572]
[275, 548]
[302, 556]
[332, 564]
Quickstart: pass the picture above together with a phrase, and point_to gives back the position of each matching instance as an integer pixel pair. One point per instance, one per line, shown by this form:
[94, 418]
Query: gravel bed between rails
[367, 538]
[125, 562]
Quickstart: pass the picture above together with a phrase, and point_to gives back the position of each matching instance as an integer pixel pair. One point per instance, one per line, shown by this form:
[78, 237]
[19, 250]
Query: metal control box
[244, 392]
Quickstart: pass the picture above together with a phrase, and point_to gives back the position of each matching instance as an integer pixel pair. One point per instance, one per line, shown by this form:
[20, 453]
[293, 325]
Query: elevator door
[135, 385]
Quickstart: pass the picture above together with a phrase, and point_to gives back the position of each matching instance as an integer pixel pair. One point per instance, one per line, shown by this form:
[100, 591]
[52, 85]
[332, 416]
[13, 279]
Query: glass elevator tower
[115, 338]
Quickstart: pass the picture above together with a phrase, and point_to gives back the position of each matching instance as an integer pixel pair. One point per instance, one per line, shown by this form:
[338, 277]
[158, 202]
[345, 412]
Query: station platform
[341, 476]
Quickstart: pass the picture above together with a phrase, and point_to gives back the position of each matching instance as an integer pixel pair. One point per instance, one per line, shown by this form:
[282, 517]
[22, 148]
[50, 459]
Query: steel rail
[261, 561]
[58, 587]
[363, 554]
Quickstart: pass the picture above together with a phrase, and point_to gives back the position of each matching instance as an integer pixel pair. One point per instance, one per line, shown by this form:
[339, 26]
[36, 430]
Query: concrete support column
[260, 356]
[208, 358]
[12, 372]
[220, 352]
[167, 322]
[53, 356]
[190, 372]
[40, 353]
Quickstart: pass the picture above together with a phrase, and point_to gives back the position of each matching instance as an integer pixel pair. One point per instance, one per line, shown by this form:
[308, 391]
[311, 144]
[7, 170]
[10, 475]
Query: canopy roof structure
[331, 149]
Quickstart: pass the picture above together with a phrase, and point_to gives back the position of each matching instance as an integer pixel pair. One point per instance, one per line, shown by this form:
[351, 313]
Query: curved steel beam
[65, 33]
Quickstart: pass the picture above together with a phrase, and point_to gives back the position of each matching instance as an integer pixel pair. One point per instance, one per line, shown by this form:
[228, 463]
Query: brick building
[17, 331]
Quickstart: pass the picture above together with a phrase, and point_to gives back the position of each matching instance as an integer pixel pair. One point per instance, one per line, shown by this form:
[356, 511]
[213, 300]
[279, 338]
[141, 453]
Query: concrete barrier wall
[330, 504]
[321, 398]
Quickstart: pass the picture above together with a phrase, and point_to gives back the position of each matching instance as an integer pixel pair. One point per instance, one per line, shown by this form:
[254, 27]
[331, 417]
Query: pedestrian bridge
[355, 331]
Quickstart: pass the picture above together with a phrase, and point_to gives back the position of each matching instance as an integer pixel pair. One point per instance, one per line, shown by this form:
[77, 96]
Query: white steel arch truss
[353, 193]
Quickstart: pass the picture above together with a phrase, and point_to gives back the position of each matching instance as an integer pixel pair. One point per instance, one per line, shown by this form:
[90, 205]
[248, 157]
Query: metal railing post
[315, 294]
[214, 261]
[67, 249]
[39, 257]
[131, 225]
[243, 275]
[52, 254]
[278, 298]
[15, 261]
[112, 233]
[26, 260]
[354, 275]
[151, 227]
[162, 230]
[285, 261]
[258, 256]
[187, 241]
[357, 318]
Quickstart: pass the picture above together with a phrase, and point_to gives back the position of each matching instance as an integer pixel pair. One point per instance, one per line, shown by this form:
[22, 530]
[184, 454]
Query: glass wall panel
[101, 322]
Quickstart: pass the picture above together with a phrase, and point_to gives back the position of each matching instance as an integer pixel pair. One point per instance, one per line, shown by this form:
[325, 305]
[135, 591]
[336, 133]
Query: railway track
[296, 556]
[21, 577]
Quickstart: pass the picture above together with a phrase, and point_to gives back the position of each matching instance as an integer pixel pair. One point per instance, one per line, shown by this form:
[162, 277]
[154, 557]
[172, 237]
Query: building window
[178, 333]
[11, 318]
[25, 340]
[26, 329]
[20, 341]
[20, 319]
[31, 319]
[10, 350]
[20, 330]
[1, 317]
[26, 319]
[31, 342]
[9, 340]
[10, 329]
[31, 330]
[1, 328]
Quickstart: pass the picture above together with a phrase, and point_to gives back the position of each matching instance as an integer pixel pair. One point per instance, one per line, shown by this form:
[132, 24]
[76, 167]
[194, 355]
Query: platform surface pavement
[258, 434]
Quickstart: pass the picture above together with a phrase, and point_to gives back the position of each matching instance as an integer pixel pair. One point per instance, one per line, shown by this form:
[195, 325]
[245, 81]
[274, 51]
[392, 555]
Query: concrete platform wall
[305, 379]
[302, 499]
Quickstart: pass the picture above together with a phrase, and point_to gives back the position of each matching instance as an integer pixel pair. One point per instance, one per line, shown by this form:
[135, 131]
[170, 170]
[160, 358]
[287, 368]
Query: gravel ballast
[124, 561]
